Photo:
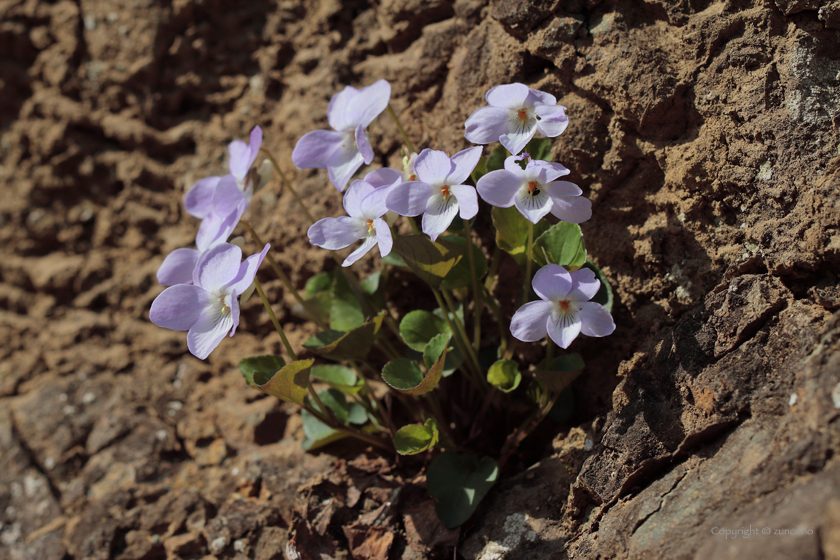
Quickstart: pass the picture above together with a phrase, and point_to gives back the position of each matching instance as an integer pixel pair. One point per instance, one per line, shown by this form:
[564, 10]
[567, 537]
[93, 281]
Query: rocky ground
[705, 133]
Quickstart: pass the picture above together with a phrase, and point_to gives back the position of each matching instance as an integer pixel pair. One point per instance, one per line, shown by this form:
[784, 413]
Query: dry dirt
[706, 134]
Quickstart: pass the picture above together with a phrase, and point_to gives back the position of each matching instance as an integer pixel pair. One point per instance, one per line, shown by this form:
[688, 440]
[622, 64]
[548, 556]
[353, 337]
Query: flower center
[532, 188]
[413, 177]
[444, 190]
[370, 226]
[523, 114]
[225, 308]
[564, 305]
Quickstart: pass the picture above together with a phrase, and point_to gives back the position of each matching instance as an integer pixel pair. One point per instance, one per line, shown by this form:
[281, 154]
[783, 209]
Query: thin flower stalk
[284, 278]
[274, 320]
[477, 306]
[400, 128]
[463, 332]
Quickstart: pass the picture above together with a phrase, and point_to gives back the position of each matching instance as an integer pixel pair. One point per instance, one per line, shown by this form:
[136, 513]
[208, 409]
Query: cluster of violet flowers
[205, 284]
[433, 184]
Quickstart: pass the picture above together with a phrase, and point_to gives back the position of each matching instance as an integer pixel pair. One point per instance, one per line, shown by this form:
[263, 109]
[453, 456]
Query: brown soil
[705, 133]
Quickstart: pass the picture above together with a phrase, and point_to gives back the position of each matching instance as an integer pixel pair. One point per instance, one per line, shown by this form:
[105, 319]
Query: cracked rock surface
[705, 132]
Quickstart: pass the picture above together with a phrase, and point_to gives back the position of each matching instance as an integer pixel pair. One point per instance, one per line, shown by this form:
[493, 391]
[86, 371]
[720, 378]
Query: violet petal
[529, 322]
[552, 282]
[179, 307]
[177, 267]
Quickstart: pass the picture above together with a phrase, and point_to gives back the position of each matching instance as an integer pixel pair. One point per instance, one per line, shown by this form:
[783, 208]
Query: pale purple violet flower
[515, 113]
[438, 193]
[225, 193]
[564, 309]
[534, 191]
[209, 308]
[179, 265]
[365, 205]
[342, 151]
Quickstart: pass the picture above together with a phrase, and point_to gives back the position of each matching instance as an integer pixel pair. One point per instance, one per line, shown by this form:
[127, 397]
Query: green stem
[490, 301]
[287, 184]
[460, 326]
[401, 130]
[472, 375]
[477, 306]
[413, 224]
[529, 259]
[549, 351]
[326, 410]
[445, 436]
[352, 432]
[274, 320]
[284, 278]
[495, 260]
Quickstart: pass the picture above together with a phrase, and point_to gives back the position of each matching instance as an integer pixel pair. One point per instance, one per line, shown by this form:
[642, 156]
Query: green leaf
[563, 370]
[430, 261]
[416, 438]
[418, 327]
[504, 375]
[562, 244]
[316, 433]
[405, 375]
[605, 294]
[342, 378]
[261, 367]
[459, 276]
[512, 231]
[480, 170]
[353, 345]
[370, 284]
[394, 259]
[288, 383]
[496, 159]
[539, 148]
[458, 482]
[345, 310]
[435, 348]
[321, 282]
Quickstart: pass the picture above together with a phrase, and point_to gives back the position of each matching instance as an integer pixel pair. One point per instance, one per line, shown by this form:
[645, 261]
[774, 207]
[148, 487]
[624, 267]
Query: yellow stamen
[523, 114]
[370, 226]
[564, 305]
[444, 190]
[532, 186]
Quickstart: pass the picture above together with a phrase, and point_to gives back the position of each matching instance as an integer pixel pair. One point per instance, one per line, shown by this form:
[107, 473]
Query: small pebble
[88, 397]
[239, 545]
[218, 544]
[792, 400]
[835, 396]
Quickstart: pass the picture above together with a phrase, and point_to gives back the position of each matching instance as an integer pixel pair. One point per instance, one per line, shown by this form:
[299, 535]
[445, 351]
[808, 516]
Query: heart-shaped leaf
[460, 275]
[416, 438]
[353, 345]
[418, 327]
[504, 375]
[405, 375]
[512, 231]
[458, 482]
[430, 260]
[288, 383]
[561, 244]
[342, 378]
[264, 367]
